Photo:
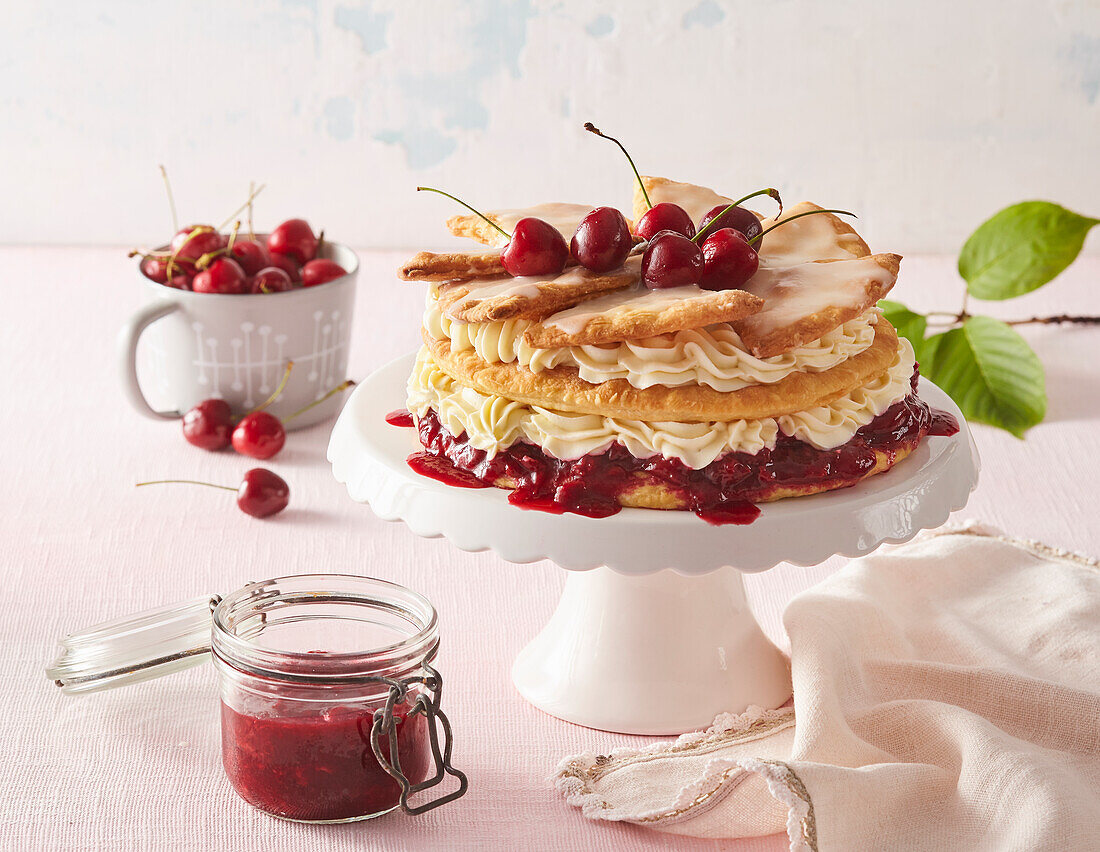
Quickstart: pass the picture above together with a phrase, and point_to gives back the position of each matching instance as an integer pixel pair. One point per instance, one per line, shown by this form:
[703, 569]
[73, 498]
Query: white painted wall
[923, 117]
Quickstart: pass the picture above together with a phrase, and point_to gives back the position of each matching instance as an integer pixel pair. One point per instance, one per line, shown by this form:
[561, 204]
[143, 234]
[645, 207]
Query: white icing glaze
[635, 297]
[807, 239]
[492, 422]
[793, 292]
[698, 201]
[564, 217]
[529, 286]
[712, 356]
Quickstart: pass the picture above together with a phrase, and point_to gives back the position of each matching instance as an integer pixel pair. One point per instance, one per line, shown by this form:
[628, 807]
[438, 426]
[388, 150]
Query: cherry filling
[723, 492]
[319, 767]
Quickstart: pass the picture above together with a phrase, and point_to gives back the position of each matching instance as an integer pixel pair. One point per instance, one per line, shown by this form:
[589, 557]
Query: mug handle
[127, 357]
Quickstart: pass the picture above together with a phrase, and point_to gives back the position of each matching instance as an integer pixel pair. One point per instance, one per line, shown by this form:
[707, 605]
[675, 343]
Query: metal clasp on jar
[384, 725]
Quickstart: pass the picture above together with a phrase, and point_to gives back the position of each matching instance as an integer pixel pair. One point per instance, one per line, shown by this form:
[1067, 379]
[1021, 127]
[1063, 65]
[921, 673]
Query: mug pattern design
[256, 358]
[253, 362]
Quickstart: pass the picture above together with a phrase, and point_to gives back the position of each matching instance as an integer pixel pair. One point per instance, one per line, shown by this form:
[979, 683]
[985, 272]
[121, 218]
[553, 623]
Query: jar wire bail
[385, 725]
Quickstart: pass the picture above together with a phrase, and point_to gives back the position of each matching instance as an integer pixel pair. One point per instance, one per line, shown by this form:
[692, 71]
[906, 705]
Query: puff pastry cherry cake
[587, 387]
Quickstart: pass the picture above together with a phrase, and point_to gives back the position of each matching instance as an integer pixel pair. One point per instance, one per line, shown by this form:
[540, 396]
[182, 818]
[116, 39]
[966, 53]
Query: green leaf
[909, 324]
[991, 373]
[1021, 248]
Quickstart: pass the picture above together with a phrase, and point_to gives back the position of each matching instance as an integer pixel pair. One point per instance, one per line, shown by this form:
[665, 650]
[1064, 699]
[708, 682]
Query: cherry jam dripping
[401, 417]
[723, 492]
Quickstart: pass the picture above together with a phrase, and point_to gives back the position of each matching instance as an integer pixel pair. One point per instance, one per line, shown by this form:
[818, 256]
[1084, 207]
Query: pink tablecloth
[139, 768]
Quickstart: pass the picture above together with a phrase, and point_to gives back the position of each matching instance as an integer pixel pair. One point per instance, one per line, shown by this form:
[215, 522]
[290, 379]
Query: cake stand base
[653, 634]
[658, 653]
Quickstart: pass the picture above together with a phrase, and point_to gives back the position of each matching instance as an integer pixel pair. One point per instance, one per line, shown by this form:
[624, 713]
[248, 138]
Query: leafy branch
[982, 363]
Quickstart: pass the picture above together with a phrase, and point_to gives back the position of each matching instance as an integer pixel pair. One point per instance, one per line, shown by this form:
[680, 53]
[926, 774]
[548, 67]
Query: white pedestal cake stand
[633, 647]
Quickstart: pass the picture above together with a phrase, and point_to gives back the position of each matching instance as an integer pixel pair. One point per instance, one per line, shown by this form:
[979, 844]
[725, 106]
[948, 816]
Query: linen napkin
[946, 696]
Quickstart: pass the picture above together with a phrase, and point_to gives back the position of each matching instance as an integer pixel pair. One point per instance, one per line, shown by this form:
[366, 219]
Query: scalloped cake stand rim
[368, 457]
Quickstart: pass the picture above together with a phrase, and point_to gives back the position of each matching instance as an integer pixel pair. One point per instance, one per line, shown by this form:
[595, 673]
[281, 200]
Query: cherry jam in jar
[329, 703]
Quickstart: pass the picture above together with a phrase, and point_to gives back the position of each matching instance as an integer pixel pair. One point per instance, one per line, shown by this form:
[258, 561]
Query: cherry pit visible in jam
[723, 492]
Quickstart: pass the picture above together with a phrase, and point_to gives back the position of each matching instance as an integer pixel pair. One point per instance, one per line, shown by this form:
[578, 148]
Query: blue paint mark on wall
[340, 118]
[600, 26]
[1084, 55]
[444, 105]
[369, 25]
[423, 146]
[706, 14]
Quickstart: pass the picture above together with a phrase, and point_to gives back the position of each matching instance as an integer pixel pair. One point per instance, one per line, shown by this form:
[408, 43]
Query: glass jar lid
[135, 648]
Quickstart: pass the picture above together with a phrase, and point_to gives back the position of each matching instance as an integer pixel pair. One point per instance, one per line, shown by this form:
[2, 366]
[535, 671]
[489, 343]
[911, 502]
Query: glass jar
[329, 703]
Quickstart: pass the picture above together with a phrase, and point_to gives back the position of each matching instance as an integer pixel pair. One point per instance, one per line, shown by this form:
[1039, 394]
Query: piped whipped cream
[712, 356]
[492, 423]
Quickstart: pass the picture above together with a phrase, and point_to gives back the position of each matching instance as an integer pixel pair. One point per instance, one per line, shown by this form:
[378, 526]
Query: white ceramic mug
[199, 346]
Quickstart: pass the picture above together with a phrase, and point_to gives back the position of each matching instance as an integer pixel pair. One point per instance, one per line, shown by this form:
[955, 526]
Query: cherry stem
[194, 233]
[185, 482]
[467, 206]
[340, 388]
[950, 319]
[770, 192]
[251, 195]
[233, 236]
[591, 128]
[251, 190]
[760, 236]
[209, 257]
[275, 395]
[171, 200]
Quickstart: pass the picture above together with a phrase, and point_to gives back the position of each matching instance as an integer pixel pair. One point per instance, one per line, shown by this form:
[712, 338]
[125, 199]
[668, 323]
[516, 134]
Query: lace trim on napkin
[575, 776]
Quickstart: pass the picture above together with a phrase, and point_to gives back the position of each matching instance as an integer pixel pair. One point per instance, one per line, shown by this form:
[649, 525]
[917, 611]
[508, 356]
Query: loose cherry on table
[294, 238]
[261, 493]
[671, 260]
[223, 275]
[321, 271]
[534, 247]
[209, 424]
[271, 279]
[602, 241]
[261, 435]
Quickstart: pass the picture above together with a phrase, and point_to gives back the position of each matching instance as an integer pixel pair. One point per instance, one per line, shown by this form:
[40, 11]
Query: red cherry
[192, 242]
[288, 264]
[262, 493]
[602, 240]
[737, 218]
[728, 260]
[179, 281]
[321, 271]
[222, 276]
[259, 435]
[208, 424]
[536, 248]
[294, 237]
[251, 255]
[671, 260]
[155, 268]
[270, 280]
[665, 216]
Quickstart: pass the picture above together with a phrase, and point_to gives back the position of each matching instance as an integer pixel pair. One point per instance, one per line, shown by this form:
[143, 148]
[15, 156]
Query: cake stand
[653, 633]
